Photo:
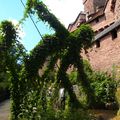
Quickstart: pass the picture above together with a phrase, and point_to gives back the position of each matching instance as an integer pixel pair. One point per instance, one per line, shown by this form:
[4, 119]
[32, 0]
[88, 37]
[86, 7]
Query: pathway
[104, 114]
[5, 110]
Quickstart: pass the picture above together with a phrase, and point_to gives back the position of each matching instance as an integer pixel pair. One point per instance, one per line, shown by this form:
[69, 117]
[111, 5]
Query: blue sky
[65, 10]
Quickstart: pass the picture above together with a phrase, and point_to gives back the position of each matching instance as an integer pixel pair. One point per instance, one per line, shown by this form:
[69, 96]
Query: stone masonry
[105, 52]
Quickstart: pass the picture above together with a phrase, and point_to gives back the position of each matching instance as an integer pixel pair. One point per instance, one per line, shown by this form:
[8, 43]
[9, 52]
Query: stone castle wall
[107, 55]
[91, 6]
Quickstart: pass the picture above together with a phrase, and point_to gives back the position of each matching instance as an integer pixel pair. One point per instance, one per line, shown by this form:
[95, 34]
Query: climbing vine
[12, 56]
[52, 56]
[67, 45]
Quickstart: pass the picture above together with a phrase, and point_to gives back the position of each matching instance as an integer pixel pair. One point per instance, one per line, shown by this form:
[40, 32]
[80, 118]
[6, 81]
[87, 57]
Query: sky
[65, 10]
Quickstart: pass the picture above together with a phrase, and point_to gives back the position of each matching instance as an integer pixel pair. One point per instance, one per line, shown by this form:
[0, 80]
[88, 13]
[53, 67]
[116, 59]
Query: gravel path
[5, 110]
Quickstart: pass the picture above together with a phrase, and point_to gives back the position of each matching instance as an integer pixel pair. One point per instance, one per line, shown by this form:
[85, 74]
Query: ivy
[68, 45]
[38, 7]
[28, 89]
[34, 94]
[12, 57]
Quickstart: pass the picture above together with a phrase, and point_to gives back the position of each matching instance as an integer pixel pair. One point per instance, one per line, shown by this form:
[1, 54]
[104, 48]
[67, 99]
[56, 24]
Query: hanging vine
[67, 44]
[29, 90]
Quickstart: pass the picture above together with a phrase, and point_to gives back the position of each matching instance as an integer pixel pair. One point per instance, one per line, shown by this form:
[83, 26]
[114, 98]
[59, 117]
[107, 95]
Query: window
[97, 43]
[78, 24]
[97, 20]
[114, 34]
[113, 3]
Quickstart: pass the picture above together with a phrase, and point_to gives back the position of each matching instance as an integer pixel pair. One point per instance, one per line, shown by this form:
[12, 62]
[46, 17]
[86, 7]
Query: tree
[12, 55]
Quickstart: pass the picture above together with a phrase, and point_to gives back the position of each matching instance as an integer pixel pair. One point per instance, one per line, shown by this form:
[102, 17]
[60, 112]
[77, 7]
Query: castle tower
[91, 6]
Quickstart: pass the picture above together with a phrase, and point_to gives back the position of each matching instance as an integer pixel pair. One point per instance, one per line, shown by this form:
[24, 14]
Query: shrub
[102, 84]
[63, 115]
[104, 87]
[118, 98]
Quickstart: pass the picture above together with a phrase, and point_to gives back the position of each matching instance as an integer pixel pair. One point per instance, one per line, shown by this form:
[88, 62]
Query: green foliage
[31, 95]
[33, 109]
[12, 57]
[34, 96]
[73, 77]
[63, 45]
[104, 87]
[118, 99]
[85, 36]
[63, 115]
[36, 6]
[7, 31]
[29, 92]
[7, 35]
[40, 53]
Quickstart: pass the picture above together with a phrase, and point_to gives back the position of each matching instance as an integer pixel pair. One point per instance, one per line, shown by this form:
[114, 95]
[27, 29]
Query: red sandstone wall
[117, 10]
[92, 5]
[99, 3]
[104, 20]
[107, 55]
[110, 16]
[88, 6]
[96, 26]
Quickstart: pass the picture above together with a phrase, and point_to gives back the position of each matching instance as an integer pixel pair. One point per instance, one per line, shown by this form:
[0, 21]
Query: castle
[104, 18]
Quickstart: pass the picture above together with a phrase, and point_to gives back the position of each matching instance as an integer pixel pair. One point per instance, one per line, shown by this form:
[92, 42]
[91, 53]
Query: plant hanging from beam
[64, 44]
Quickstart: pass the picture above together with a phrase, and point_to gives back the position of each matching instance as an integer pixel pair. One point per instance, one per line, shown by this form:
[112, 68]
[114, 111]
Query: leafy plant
[64, 46]
[104, 87]
[28, 89]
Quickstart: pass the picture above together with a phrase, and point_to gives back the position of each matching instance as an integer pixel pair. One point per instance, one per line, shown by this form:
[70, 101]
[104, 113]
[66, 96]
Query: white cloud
[65, 10]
